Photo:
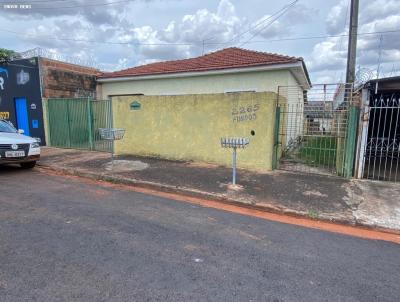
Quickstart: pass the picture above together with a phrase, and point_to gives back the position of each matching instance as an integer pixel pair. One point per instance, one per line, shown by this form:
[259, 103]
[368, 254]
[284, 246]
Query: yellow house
[180, 109]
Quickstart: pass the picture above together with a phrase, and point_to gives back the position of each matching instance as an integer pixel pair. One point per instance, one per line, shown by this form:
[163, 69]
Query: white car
[16, 148]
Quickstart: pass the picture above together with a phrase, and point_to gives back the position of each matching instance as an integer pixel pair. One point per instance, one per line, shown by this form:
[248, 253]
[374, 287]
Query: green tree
[6, 54]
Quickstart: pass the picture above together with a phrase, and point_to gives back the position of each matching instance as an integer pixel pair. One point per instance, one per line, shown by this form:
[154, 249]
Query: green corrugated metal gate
[74, 123]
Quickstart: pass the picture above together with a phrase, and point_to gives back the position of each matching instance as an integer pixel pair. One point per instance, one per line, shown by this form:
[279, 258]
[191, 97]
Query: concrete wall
[258, 81]
[189, 127]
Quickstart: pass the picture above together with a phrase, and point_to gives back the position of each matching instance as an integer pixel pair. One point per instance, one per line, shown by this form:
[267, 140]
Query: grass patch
[319, 151]
[313, 214]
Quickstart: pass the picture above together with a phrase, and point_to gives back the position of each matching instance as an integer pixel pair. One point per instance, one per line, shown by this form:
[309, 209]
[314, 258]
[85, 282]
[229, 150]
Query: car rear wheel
[28, 165]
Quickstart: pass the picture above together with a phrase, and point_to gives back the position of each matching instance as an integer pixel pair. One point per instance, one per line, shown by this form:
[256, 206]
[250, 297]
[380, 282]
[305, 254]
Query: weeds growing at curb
[313, 214]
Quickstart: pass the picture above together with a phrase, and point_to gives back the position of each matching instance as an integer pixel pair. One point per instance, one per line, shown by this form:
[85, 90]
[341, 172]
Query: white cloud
[270, 26]
[330, 55]
[226, 10]
[336, 18]
[212, 27]
[379, 9]
[203, 25]
[153, 53]
[265, 28]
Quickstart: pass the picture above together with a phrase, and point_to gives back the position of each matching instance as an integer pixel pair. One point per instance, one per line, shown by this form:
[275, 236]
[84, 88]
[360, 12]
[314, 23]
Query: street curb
[189, 192]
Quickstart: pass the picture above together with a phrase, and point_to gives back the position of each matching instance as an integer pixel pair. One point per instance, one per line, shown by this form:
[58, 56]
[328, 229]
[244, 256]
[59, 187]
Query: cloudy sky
[116, 34]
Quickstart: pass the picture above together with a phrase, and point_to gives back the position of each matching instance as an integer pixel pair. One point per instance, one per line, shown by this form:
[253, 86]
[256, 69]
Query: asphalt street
[64, 239]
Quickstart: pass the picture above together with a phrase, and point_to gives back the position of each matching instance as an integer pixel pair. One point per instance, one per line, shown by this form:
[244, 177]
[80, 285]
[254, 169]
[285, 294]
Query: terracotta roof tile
[223, 59]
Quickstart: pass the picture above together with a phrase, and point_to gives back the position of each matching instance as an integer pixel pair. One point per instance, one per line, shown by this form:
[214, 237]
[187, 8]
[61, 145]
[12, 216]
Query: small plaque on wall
[135, 105]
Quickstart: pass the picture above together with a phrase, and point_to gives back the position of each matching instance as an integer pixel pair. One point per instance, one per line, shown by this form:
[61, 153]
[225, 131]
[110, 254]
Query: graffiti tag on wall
[245, 113]
[2, 80]
[22, 77]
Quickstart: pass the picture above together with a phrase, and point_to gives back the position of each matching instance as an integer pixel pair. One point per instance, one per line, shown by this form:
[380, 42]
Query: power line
[316, 37]
[199, 42]
[92, 41]
[204, 44]
[250, 28]
[260, 22]
[283, 11]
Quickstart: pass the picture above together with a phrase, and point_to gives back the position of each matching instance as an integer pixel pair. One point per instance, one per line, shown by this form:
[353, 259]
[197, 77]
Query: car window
[6, 127]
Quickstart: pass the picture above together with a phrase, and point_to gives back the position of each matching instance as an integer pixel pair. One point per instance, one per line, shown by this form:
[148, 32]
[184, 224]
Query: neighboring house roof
[318, 109]
[225, 59]
[384, 84]
[388, 79]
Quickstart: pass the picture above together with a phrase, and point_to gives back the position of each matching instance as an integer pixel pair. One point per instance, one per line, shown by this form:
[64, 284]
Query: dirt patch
[122, 165]
[314, 193]
[202, 165]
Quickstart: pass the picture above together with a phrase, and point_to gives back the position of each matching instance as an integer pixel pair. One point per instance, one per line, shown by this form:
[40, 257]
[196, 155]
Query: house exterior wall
[258, 81]
[189, 127]
[295, 99]
[292, 110]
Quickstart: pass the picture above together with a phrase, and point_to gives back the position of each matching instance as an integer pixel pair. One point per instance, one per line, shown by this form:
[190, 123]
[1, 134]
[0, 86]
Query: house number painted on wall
[245, 113]
[4, 115]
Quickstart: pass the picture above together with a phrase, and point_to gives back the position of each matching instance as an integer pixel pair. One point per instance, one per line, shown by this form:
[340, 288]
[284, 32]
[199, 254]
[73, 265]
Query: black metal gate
[380, 147]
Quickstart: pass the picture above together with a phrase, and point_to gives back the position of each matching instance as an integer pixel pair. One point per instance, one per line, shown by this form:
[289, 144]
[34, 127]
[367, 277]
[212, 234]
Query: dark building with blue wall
[20, 96]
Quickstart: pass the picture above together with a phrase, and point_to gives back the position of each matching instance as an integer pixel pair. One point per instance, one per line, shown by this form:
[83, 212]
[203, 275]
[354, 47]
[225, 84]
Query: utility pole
[352, 48]
[350, 140]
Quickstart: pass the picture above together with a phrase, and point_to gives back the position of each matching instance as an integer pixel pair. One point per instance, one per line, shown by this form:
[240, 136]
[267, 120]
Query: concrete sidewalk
[363, 202]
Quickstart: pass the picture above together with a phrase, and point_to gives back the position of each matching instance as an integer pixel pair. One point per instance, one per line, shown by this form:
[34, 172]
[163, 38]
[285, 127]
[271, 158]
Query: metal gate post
[276, 137]
[111, 121]
[69, 124]
[89, 120]
[45, 105]
[351, 141]
[363, 133]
